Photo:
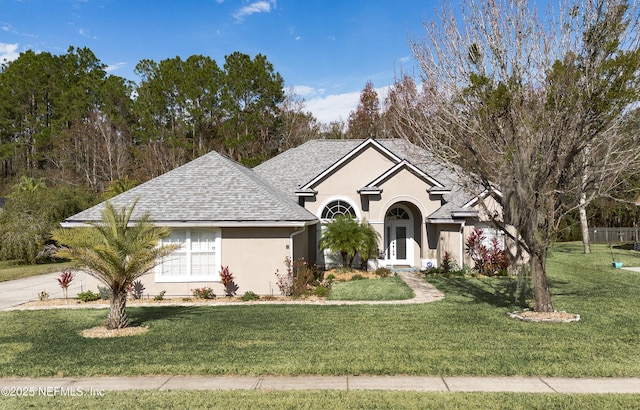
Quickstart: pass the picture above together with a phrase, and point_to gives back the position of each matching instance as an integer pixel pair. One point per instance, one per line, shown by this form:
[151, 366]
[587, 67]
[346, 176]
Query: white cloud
[6, 27]
[334, 107]
[263, 6]
[113, 67]
[303, 90]
[8, 52]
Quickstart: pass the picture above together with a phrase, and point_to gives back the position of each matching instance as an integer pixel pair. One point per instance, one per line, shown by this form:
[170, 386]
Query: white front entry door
[399, 242]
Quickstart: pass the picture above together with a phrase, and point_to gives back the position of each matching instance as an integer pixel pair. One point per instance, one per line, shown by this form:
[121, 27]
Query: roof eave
[211, 224]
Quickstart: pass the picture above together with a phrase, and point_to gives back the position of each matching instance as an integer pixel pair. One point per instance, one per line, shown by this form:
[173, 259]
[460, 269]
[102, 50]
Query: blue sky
[326, 50]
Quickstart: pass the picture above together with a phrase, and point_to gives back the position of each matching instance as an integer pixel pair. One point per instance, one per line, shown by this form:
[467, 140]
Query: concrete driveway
[16, 292]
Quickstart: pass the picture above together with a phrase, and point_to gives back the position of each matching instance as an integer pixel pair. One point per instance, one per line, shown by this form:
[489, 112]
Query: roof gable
[367, 144]
[211, 190]
[404, 165]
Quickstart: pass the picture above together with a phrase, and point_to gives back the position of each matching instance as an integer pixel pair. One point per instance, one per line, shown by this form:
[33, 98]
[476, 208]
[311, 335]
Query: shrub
[331, 277]
[159, 296]
[230, 287]
[305, 276]
[42, 296]
[445, 265]
[105, 292]
[489, 261]
[88, 296]
[64, 280]
[383, 272]
[299, 279]
[203, 293]
[321, 291]
[357, 276]
[249, 295]
[136, 289]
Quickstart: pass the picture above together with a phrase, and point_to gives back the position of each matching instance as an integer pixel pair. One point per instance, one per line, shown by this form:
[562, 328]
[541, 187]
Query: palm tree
[347, 237]
[116, 253]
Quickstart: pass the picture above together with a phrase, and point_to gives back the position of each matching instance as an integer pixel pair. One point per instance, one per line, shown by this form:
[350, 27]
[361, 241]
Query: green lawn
[390, 288]
[242, 399]
[10, 270]
[467, 333]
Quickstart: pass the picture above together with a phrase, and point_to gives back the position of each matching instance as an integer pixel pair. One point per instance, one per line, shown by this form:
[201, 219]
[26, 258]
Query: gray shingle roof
[209, 189]
[295, 167]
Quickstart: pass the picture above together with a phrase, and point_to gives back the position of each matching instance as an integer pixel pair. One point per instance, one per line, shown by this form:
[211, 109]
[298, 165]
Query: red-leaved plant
[65, 279]
[230, 287]
[488, 261]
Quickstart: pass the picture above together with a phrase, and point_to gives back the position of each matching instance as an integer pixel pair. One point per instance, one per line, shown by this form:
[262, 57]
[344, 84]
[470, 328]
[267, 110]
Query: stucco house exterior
[225, 214]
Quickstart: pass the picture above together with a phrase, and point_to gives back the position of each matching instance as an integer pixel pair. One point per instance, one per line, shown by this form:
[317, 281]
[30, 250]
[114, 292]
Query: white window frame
[188, 252]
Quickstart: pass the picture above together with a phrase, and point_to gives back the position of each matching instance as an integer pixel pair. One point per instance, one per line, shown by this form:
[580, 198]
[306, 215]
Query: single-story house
[251, 220]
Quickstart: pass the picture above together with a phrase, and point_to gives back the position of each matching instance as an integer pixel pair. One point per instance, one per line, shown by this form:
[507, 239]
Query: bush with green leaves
[159, 296]
[203, 293]
[88, 296]
[249, 296]
[383, 272]
[322, 291]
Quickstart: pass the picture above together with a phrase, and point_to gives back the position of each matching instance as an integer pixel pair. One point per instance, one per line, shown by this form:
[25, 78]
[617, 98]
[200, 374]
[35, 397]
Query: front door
[398, 242]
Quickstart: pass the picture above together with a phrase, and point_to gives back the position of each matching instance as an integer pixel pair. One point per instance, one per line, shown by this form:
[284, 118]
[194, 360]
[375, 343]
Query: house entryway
[398, 237]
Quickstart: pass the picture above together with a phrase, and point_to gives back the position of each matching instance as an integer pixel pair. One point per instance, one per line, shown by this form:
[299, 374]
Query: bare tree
[531, 103]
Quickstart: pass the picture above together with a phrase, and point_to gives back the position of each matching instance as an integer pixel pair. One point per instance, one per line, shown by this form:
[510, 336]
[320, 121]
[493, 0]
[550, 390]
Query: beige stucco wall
[345, 182]
[252, 254]
[404, 187]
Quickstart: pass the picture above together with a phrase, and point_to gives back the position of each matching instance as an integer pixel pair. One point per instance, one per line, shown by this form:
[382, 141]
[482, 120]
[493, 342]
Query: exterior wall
[345, 182]
[253, 256]
[449, 240]
[404, 188]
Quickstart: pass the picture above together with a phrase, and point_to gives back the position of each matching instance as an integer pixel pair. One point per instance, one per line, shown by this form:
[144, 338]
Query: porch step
[401, 268]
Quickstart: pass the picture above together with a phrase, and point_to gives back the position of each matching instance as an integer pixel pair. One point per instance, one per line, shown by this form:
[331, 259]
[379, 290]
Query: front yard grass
[467, 333]
[10, 270]
[326, 400]
[390, 288]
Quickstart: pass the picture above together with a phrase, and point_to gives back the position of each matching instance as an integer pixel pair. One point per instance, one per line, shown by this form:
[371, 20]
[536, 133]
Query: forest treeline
[71, 134]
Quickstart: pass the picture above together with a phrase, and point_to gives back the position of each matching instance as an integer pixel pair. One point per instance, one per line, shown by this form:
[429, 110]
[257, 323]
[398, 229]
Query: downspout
[462, 225]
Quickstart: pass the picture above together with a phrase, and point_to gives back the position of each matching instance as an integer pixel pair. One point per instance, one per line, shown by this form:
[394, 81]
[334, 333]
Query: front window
[197, 260]
[335, 208]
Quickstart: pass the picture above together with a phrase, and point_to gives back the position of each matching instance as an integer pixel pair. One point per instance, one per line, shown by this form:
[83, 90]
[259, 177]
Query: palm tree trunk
[117, 317]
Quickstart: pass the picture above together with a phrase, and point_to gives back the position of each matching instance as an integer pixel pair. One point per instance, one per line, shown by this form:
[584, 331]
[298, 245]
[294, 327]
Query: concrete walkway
[397, 383]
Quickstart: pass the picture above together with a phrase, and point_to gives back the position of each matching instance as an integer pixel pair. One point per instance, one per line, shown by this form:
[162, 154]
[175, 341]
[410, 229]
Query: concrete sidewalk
[397, 383]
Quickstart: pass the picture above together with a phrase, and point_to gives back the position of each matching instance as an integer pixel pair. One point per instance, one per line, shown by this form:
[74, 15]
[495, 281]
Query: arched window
[336, 208]
[397, 213]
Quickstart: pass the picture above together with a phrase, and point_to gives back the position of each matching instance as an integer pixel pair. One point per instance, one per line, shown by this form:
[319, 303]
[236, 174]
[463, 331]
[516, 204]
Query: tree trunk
[117, 317]
[584, 224]
[541, 292]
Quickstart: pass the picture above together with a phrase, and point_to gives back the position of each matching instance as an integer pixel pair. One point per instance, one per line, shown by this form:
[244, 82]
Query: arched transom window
[397, 214]
[336, 208]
